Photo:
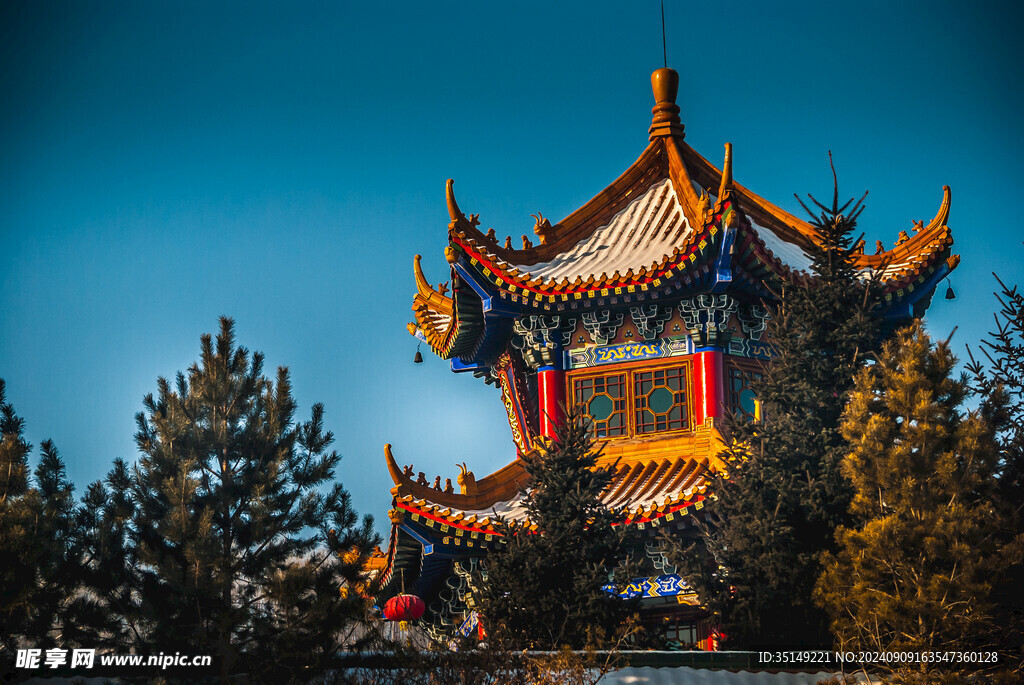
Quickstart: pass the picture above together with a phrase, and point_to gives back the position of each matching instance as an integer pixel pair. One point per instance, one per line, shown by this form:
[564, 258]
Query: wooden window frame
[626, 398]
[629, 369]
[675, 628]
[745, 366]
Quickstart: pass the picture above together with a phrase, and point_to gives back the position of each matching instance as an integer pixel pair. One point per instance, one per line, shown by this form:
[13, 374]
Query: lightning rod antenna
[664, 44]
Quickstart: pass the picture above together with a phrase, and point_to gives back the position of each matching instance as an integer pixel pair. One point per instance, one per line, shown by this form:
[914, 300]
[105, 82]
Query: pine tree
[997, 380]
[17, 573]
[237, 544]
[57, 601]
[545, 588]
[758, 556]
[40, 538]
[915, 573]
[999, 384]
[112, 605]
[14, 450]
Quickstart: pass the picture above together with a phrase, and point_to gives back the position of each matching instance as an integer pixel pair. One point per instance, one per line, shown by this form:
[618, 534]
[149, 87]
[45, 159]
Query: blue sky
[167, 163]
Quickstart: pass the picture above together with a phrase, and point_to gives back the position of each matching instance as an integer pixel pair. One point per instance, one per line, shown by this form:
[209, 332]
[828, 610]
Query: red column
[551, 398]
[708, 385]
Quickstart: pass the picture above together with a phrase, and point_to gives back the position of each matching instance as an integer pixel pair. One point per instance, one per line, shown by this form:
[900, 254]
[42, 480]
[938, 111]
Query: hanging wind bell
[950, 295]
[418, 358]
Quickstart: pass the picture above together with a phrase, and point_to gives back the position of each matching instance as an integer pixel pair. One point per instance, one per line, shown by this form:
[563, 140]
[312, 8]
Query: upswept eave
[700, 191]
[918, 250]
[434, 299]
[651, 480]
[676, 231]
[760, 210]
[649, 168]
[434, 312]
[783, 241]
[924, 241]
[501, 485]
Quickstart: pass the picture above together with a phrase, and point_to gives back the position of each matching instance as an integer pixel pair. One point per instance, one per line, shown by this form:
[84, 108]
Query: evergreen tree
[111, 609]
[544, 588]
[40, 538]
[758, 556]
[997, 380]
[17, 576]
[57, 601]
[915, 573]
[1000, 386]
[14, 450]
[237, 544]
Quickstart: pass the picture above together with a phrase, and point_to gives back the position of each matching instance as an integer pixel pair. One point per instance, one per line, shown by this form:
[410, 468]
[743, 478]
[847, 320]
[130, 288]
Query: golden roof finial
[434, 299]
[454, 212]
[422, 285]
[453, 207]
[666, 122]
[726, 184]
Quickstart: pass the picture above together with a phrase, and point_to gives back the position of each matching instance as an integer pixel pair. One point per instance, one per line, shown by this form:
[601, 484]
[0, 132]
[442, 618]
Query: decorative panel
[627, 352]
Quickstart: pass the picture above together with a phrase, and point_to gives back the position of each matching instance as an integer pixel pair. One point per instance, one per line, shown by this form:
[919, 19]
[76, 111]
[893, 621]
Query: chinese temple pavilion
[645, 307]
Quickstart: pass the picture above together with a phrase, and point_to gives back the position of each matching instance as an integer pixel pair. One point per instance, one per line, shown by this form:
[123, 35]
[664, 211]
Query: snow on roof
[645, 231]
[788, 253]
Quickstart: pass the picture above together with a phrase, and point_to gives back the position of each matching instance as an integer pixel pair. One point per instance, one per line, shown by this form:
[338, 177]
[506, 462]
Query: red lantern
[404, 608]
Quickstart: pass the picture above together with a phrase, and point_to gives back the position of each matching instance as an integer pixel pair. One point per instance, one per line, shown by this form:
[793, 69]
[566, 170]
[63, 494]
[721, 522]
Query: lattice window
[659, 400]
[604, 398]
[637, 401]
